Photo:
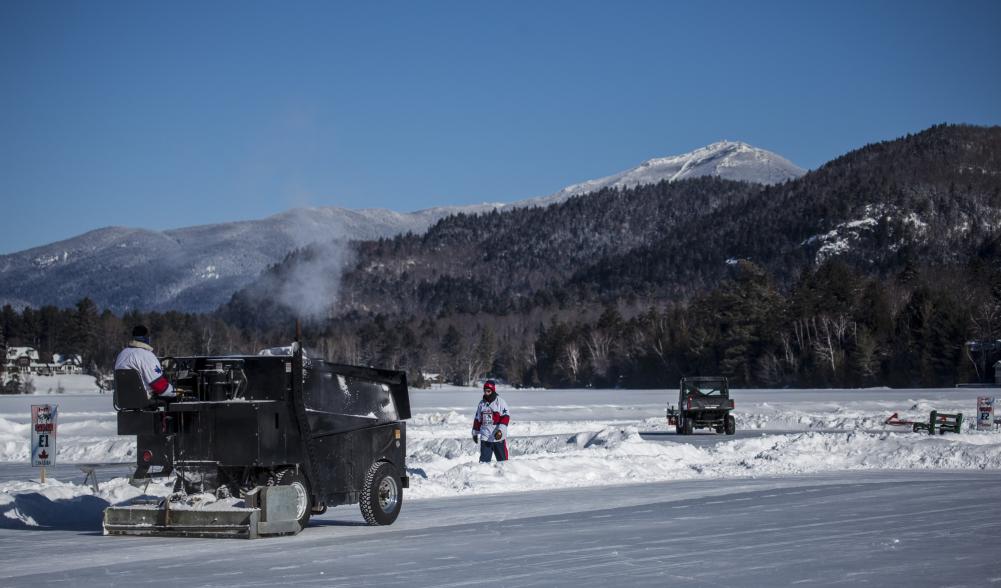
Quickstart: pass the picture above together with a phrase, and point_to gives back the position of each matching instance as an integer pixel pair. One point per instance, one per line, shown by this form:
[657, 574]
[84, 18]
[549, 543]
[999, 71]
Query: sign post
[985, 413]
[43, 436]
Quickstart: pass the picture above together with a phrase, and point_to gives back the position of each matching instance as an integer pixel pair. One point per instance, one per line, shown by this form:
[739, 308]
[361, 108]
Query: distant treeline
[99, 335]
[835, 327]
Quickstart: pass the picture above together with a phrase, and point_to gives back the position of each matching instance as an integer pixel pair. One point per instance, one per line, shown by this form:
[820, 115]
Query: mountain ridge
[198, 267]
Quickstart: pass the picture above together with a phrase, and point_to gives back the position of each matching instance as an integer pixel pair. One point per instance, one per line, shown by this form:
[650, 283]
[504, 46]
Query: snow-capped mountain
[193, 268]
[198, 268]
[726, 159]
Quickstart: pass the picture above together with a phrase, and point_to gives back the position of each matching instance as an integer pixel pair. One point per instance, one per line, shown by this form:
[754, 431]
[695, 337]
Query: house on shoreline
[23, 362]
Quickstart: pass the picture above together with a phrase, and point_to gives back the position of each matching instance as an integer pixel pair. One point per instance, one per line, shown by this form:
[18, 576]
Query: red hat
[489, 385]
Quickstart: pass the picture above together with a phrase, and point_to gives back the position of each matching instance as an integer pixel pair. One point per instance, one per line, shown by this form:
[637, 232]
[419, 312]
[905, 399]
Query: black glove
[476, 439]
[498, 434]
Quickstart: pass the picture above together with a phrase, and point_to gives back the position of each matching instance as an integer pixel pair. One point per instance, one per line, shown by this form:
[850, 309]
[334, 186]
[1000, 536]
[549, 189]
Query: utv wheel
[730, 426]
[679, 429]
[303, 500]
[381, 496]
[688, 427]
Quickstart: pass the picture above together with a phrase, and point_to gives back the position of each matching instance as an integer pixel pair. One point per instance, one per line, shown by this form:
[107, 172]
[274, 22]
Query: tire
[679, 430]
[304, 499]
[382, 495]
[688, 427]
[730, 425]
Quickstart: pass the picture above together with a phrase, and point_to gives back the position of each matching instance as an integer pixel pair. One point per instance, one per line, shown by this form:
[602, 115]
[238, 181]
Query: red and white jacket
[139, 356]
[491, 416]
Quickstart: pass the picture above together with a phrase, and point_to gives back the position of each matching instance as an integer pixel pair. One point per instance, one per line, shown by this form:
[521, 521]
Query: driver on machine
[138, 355]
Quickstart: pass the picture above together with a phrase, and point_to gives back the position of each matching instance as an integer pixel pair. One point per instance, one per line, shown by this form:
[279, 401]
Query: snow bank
[620, 455]
[80, 439]
[64, 505]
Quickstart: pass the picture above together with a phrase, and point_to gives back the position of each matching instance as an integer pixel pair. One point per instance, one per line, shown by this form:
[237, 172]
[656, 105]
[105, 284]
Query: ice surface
[599, 491]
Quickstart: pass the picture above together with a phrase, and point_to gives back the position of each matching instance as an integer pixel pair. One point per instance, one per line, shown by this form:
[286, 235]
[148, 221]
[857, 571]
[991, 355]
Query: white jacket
[139, 356]
[491, 416]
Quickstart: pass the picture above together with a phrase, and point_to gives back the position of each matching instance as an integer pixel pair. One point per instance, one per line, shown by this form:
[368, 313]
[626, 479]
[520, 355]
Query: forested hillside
[925, 199]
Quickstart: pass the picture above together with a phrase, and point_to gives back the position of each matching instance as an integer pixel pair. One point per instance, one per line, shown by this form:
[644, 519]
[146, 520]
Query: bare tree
[770, 369]
[570, 360]
[986, 320]
[207, 334]
[829, 342]
[787, 354]
[472, 366]
[865, 357]
[599, 346]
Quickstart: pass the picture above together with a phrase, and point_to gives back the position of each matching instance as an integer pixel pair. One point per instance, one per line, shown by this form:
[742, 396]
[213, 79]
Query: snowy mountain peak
[730, 160]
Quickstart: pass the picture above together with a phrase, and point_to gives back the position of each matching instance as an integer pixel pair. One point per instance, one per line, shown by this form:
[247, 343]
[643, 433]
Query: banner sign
[985, 413]
[43, 434]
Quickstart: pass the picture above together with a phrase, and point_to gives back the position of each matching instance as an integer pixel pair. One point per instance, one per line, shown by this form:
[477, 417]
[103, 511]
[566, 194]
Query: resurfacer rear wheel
[382, 496]
[303, 502]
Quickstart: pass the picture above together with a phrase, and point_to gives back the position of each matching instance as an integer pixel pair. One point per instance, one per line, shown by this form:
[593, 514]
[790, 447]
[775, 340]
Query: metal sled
[269, 511]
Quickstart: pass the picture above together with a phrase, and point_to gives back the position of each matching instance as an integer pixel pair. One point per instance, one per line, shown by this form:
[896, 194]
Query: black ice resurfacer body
[289, 435]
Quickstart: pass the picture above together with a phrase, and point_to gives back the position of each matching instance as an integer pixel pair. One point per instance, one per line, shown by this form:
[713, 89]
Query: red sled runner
[944, 422]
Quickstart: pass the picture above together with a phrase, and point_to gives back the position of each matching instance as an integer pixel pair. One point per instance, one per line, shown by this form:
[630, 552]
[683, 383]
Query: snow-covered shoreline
[64, 385]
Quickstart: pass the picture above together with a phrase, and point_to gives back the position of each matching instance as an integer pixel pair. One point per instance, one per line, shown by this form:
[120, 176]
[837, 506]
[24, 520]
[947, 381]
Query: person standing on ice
[490, 424]
[138, 355]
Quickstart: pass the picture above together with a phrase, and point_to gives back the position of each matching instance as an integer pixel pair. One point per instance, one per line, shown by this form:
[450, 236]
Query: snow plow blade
[270, 511]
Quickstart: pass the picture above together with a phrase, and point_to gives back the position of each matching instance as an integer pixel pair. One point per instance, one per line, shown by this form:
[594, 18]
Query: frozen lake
[813, 489]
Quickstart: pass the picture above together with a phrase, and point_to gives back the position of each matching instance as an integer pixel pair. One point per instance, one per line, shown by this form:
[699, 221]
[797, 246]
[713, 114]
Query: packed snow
[559, 439]
[840, 240]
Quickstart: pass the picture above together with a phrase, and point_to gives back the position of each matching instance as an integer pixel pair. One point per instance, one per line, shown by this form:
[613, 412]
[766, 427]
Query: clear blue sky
[169, 114]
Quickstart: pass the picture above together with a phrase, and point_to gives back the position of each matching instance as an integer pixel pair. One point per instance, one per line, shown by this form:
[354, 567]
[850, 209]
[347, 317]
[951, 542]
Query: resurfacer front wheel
[303, 502]
[382, 496]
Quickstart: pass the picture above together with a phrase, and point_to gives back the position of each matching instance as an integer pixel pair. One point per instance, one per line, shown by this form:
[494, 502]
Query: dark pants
[496, 448]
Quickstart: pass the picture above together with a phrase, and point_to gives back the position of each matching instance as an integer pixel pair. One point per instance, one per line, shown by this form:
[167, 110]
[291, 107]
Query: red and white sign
[985, 413]
[43, 434]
